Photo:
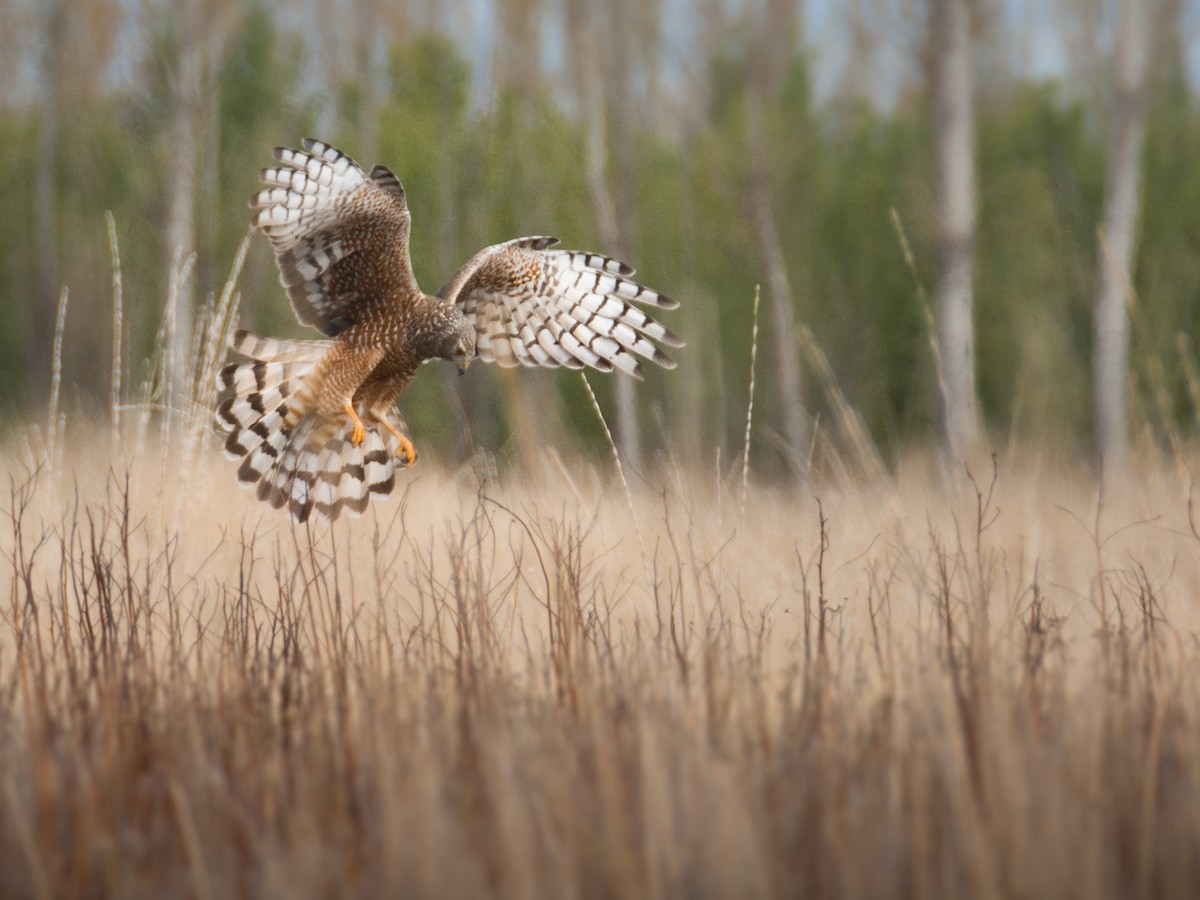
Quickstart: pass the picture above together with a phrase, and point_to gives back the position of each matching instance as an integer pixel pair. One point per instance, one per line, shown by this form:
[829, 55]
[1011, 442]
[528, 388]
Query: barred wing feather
[536, 306]
[340, 235]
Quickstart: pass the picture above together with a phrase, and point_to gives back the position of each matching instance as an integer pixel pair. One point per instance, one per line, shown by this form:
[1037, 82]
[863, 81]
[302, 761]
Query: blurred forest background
[889, 171]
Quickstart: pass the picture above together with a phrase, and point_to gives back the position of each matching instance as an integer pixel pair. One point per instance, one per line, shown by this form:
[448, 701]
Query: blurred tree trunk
[184, 134]
[859, 78]
[354, 61]
[767, 59]
[14, 31]
[76, 47]
[45, 303]
[950, 48]
[463, 400]
[529, 396]
[697, 431]
[618, 105]
[603, 93]
[1131, 68]
[1080, 27]
[371, 58]
[200, 28]
[518, 48]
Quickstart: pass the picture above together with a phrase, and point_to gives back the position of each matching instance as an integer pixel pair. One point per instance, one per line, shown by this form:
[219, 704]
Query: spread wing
[340, 235]
[535, 306]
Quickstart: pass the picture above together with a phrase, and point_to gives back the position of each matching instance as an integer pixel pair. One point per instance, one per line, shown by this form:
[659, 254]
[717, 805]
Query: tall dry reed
[486, 692]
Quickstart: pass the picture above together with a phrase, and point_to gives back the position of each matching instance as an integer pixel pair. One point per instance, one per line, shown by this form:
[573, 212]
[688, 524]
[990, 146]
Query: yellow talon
[407, 452]
[359, 433]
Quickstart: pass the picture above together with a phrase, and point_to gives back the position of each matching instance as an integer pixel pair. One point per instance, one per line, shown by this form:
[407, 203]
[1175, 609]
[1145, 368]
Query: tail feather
[276, 350]
[339, 477]
[291, 457]
[243, 378]
[379, 469]
[269, 407]
[259, 446]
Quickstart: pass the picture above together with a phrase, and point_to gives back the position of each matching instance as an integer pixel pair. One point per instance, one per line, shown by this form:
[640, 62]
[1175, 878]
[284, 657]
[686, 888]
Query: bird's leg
[357, 435]
[407, 452]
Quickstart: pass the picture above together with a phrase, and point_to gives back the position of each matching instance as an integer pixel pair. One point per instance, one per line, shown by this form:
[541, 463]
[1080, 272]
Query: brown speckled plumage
[340, 235]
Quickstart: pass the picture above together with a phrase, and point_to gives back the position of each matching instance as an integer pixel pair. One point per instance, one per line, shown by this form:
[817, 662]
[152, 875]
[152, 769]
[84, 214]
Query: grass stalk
[935, 349]
[26, 842]
[616, 454]
[1187, 361]
[53, 420]
[749, 410]
[216, 332]
[118, 324]
[447, 703]
[850, 424]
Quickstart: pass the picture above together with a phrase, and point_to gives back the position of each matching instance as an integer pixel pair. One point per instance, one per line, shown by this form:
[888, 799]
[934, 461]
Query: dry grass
[892, 688]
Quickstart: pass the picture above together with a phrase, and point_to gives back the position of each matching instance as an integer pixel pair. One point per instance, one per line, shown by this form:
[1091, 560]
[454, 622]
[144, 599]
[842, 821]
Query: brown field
[909, 686]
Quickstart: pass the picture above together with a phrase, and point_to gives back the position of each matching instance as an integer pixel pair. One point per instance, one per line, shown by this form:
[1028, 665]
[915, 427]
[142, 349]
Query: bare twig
[114, 404]
[615, 453]
[749, 410]
[60, 324]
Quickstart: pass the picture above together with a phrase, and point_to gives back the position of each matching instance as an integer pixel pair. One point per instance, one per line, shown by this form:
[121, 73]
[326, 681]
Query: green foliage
[477, 175]
[1167, 282]
[257, 109]
[1034, 261]
[18, 146]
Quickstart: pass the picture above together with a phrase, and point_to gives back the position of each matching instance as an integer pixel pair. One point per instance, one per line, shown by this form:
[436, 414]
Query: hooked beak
[463, 366]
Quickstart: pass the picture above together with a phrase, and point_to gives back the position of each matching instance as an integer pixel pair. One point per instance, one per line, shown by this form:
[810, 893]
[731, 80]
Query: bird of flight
[314, 423]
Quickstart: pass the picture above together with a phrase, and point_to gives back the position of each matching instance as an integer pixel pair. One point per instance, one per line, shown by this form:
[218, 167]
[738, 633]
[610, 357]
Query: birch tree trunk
[201, 30]
[765, 63]
[602, 101]
[45, 195]
[371, 73]
[185, 131]
[624, 237]
[198, 28]
[954, 147]
[463, 395]
[530, 399]
[1122, 187]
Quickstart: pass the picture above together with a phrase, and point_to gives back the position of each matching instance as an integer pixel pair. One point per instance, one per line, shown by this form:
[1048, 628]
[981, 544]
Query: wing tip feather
[663, 360]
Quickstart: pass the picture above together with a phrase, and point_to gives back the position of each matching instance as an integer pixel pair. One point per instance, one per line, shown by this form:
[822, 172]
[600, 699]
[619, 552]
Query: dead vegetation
[896, 689]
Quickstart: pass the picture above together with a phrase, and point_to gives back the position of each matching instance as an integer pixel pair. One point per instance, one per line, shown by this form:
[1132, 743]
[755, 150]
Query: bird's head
[459, 346]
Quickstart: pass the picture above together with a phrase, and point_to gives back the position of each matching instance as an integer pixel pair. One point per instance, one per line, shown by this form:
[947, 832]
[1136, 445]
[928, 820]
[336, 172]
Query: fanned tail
[292, 458]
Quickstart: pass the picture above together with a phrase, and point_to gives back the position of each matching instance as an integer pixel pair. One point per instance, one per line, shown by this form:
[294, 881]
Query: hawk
[314, 423]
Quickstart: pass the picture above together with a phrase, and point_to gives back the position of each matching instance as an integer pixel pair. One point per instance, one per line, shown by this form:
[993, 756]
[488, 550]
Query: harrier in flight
[314, 422]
